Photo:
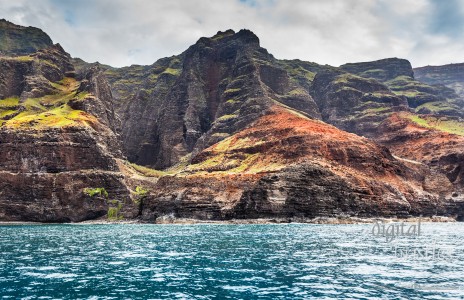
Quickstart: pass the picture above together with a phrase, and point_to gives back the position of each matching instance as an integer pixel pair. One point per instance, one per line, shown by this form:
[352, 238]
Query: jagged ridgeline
[185, 103]
[223, 130]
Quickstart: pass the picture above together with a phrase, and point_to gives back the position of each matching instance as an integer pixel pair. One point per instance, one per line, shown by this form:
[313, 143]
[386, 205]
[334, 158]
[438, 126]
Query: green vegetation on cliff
[128, 81]
[149, 172]
[449, 75]
[19, 40]
[11, 102]
[114, 210]
[96, 192]
[445, 124]
[50, 110]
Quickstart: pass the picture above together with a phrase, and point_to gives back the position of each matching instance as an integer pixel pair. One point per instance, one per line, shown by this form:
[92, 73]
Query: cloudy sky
[125, 32]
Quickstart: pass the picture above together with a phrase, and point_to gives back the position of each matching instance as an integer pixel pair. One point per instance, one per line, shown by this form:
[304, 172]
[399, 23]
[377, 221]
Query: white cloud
[120, 32]
[408, 8]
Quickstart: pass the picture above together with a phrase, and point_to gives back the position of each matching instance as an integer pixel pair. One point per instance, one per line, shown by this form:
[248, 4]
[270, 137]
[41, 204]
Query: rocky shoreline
[318, 220]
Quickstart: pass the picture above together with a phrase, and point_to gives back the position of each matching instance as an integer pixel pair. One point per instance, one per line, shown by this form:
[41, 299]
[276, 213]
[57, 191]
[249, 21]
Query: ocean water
[293, 261]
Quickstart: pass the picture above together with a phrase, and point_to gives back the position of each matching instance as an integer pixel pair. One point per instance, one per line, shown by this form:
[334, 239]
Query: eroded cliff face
[416, 121]
[381, 70]
[234, 133]
[59, 149]
[186, 103]
[288, 166]
[451, 76]
[424, 97]
[45, 174]
[434, 143]
[354, 103]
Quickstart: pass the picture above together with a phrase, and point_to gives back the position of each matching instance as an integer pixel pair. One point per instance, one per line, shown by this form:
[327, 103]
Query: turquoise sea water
[295, 261]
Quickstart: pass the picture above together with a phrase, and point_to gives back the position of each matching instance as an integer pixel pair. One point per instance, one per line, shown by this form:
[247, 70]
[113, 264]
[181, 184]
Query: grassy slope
[443, 124]
[47, 111]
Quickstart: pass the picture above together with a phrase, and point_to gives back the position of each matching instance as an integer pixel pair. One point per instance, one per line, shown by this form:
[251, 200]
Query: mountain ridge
[233, 133]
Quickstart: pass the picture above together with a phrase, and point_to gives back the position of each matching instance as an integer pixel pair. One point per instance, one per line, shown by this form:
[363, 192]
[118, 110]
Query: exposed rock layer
[186, 103]
[331, 173]
[449, 75]
[242, 133]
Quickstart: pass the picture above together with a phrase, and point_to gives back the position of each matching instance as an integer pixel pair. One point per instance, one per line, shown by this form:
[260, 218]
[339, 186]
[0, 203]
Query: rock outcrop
[451, 76]
[20, 40]
[381, 70]
[383, 113]
[398, 75]
[45, 174]
[354, 103]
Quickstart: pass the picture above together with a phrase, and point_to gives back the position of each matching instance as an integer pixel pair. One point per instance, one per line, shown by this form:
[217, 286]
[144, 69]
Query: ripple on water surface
[295, 261]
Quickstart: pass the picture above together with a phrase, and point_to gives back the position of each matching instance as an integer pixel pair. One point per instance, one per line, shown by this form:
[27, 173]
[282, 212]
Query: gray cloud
[121, 32]
[446, 18]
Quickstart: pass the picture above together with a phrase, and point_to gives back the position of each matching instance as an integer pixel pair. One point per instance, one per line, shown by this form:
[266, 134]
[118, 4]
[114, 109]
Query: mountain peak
[222, 34]
[244, 36]
[248, 35]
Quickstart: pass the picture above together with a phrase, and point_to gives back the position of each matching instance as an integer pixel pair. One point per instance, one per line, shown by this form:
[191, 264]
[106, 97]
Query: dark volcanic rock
[45, 197]
[240, 129]
[381, 70]
[57, 63]
[53, 151]
[31, 77]
[186, 103]
[367, 107]
[354, 103]
[97, 98]
[331, 173]
[398, 75]
[44, 175]
[310, 190]
[451, 76]
[56, 157]
[12, 76]
[19, 40]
